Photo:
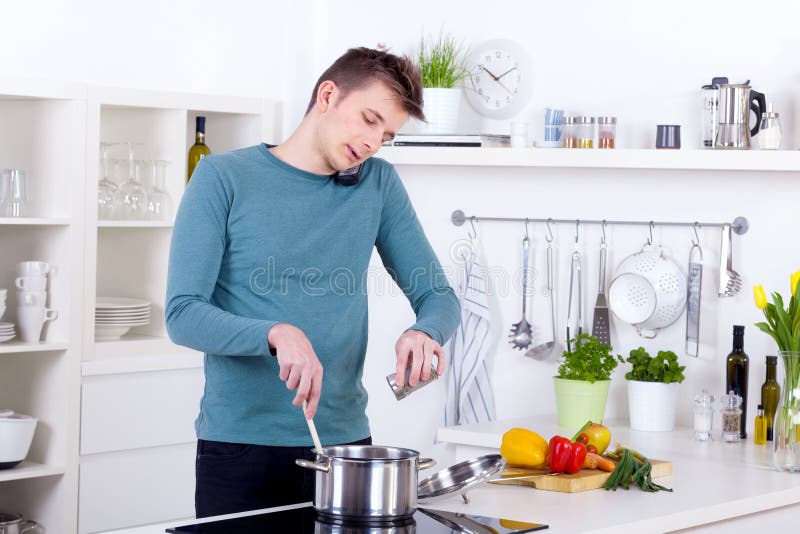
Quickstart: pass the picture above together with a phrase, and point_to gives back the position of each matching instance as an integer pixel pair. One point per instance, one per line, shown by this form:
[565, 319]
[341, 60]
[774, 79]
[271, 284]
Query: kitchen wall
[640, 62]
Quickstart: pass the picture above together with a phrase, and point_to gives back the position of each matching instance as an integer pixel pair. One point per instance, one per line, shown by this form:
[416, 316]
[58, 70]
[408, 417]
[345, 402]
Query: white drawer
[134, 410]
[130, 488]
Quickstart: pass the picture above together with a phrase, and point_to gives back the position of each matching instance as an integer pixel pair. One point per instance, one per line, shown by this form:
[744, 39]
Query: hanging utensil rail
[740, 225]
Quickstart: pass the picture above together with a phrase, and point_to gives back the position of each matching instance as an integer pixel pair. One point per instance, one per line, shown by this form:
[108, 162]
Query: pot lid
[460, 477]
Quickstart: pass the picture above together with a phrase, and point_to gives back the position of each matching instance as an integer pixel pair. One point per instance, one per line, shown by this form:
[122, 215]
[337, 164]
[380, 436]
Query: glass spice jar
[606, 132]
[586, 132]
[703, 415]
[569, 132]
[731, 416]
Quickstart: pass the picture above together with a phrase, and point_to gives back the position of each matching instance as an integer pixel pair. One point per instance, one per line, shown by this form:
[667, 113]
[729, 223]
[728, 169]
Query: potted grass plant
[442, 64]
[583, 380]
[653, 389]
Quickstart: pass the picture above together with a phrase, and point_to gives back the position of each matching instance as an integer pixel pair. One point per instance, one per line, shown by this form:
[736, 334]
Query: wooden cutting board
[583, 480]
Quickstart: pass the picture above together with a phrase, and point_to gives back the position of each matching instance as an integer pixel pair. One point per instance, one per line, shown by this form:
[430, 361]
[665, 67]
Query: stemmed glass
[106, 187]
[159, 201]
[131, 197]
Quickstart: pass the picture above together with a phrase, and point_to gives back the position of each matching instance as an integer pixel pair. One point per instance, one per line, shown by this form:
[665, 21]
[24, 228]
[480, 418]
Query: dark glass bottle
[738, 367]
[770, 393]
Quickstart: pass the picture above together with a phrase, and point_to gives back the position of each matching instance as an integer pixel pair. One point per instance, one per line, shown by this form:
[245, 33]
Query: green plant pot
[578, 401]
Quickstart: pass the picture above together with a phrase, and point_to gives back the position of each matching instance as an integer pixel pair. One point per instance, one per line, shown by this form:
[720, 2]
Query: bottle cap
[760, 407]
[772, 360]
[201, 124]
[738, 330]
[731, 401]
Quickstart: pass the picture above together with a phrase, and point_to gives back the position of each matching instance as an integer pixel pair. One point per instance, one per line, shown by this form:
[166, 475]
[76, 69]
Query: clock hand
[495, 78]
[506, 72]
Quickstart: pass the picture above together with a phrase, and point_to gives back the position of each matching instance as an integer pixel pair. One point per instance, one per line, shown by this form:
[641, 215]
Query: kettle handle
[758, 105]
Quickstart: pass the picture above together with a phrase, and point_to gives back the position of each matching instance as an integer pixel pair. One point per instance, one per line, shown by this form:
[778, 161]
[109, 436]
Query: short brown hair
[359, 66]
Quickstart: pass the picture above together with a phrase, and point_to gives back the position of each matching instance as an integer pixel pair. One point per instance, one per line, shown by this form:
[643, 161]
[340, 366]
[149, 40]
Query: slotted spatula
[600, 322]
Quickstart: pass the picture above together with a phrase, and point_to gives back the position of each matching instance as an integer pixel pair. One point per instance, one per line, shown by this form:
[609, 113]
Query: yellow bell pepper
[524, 448]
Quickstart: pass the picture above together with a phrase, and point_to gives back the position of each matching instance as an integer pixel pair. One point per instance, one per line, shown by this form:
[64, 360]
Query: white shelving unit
[684, 159]
[53, 131]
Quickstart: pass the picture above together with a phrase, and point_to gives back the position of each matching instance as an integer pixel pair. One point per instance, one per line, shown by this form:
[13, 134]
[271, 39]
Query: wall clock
[500, 80]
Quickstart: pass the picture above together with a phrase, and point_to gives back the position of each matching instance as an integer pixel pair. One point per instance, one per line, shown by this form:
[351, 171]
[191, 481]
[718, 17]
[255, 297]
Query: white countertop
[713, 481]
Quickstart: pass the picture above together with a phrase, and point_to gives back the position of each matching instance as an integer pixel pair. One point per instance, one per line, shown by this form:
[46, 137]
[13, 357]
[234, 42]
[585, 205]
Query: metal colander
[630, 298]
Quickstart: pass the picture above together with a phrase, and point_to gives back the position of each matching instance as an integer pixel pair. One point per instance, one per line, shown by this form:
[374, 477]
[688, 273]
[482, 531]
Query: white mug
[31, 283]
[30, 320]
[32, 268]
[32, 298]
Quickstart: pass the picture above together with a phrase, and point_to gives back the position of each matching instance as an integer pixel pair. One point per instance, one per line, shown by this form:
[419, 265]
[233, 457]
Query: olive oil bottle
[737, 372]
[770, 393]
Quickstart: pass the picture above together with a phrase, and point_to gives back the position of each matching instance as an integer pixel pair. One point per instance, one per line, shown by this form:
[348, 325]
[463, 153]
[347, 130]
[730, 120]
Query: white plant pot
[441, 107]
[652, 405]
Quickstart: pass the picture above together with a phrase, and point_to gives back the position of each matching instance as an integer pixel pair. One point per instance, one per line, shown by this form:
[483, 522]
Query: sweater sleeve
[195, 256]
[411, 262]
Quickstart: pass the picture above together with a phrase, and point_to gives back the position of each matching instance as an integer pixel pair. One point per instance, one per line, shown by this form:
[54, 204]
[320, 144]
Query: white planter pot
[441, 108]
[652, 405]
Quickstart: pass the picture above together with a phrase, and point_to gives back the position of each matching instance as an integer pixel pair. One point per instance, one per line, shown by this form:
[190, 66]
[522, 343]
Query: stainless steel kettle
[735, 103]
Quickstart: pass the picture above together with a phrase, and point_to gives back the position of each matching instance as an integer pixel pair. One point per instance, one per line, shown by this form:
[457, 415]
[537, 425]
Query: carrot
[603, 463]
[589, 462]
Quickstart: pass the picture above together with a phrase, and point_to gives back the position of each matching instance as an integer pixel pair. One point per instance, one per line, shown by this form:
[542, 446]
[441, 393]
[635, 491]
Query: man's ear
[325, 95]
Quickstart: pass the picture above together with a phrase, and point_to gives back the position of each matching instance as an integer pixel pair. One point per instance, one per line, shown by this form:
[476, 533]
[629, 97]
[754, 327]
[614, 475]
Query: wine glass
[106, 188]
[131, 197]
[159, 201]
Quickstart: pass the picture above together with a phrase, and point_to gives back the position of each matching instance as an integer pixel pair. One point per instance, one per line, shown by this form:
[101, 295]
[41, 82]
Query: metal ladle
[521, 332]
[544, 349]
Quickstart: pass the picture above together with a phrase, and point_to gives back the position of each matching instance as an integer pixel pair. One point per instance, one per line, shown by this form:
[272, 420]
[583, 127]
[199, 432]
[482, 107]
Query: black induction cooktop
[306, 520]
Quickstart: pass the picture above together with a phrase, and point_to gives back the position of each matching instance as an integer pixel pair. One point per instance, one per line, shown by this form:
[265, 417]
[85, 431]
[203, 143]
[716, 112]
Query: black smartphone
[349, 176]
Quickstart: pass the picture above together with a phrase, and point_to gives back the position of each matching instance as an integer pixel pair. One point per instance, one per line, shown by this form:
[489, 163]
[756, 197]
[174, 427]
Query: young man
[267, 276]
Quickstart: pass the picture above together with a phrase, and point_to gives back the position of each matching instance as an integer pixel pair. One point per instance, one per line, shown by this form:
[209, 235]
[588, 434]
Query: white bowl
[109, 333]
[16, 435]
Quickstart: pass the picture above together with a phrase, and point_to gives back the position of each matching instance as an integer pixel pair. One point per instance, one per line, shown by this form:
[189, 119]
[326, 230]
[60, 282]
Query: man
[267, 275]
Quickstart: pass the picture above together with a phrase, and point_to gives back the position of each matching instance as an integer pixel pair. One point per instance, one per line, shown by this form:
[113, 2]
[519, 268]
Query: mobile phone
[349, 176]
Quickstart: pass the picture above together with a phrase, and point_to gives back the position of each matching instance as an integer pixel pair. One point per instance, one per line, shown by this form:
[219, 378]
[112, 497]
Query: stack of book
[467, 140]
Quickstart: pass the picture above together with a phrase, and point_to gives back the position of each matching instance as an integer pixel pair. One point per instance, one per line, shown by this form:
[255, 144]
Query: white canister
[652, 405]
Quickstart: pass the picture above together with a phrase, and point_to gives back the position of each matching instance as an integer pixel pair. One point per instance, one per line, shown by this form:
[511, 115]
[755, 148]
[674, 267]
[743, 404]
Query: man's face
[353, 127]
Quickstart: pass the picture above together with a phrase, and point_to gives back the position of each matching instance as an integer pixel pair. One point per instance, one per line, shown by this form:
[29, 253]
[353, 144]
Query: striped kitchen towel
[470, 398]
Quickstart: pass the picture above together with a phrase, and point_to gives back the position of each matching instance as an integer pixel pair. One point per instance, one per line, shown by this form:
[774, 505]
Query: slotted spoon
[521, 332]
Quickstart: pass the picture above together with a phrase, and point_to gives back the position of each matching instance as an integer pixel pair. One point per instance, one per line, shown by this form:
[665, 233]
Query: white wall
[640, 62]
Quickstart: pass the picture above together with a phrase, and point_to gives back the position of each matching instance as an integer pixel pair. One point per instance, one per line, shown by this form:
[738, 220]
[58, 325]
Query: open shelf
[34, 221]
[135, 224]
[684, 159]
[14, 346]
[30, 470]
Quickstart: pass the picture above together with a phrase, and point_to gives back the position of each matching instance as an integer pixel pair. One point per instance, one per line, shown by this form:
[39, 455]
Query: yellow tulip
[760, 297]
[795, 279]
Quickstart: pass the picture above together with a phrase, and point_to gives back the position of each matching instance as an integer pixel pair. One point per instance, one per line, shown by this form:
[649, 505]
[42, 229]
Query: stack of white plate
[6, 331]
[115, 316]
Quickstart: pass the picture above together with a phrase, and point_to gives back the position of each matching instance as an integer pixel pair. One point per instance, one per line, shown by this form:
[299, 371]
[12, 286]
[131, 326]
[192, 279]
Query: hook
[526, 228]
[577, 229]
[603, 239]
[650, 239]
[549, 237]
[696, 240]
[474, 233]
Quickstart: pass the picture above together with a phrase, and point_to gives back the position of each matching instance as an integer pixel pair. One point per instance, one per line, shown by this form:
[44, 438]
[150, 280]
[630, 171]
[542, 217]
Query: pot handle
[324, 468]
[425, 463]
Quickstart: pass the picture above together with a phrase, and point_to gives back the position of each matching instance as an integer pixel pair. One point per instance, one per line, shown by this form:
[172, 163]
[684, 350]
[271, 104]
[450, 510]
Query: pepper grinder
[731, 416]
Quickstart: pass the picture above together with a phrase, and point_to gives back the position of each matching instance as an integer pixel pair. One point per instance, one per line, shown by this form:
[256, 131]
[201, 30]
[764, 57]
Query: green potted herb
[442, 64]
[583, 380]
[653, 389]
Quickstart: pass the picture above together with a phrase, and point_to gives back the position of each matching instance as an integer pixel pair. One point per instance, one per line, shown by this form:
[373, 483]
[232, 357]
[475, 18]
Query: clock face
[499, 79]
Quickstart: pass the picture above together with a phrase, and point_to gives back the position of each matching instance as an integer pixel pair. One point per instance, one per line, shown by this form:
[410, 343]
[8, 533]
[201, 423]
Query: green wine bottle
[199, 149]
[737, 373]
[770, 392]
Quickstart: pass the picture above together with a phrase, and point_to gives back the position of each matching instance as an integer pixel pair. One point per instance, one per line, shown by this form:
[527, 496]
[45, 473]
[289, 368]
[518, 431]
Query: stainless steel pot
[366, 481]
[15, 524]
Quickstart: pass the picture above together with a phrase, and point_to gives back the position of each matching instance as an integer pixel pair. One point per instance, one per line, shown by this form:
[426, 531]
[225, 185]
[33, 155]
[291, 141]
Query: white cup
[30, 320]
[32, 268]
[2, 310]
[3, 293]
[31, 283]
[519, 135]
[32, 298]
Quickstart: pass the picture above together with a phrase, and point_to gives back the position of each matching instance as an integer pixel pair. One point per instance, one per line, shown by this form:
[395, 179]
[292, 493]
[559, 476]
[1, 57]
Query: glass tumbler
[15, 193]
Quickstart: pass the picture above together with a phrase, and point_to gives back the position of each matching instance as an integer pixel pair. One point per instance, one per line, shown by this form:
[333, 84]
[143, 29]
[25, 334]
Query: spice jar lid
[569, 120]
[586, 120]
[731, 401]
[606, 120]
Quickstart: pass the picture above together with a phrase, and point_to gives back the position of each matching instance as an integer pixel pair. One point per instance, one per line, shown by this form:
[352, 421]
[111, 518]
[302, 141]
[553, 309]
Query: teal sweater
[258, 242]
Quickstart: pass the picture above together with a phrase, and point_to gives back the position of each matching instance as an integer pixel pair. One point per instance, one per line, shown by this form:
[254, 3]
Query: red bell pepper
[566, 456]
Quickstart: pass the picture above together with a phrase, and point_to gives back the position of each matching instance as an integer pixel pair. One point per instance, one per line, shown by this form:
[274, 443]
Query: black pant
[237, 477]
